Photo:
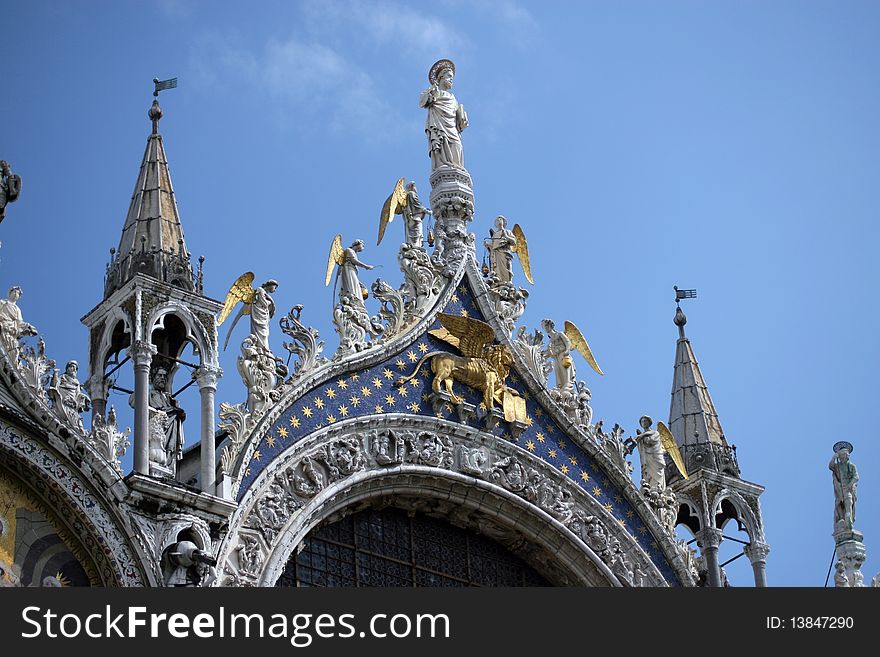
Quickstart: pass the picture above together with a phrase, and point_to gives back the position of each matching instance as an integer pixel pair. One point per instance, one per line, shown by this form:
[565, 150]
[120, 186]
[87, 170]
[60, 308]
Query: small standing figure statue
[413, 216]
[256, 302]
[559, 351]
[845, 477]
[12, 325]
[650, 455]
[350, 316]
[404, 200]
[68, 397]
[446, 117]
[166, 423]
[653, 445]
[10, 187]
[262, 311]
[501, 244]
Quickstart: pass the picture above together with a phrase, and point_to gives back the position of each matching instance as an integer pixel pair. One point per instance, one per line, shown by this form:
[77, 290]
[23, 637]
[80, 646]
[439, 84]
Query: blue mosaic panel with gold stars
[372, 391]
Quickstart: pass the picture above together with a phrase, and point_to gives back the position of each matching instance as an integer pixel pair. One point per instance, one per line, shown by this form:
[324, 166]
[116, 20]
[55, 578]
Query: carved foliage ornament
[323, 466]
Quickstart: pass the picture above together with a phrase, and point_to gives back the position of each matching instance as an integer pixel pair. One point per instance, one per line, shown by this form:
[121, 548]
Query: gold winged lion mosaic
[483, 366]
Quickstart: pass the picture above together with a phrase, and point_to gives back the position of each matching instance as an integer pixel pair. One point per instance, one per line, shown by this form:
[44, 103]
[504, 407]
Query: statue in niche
[166, 422]
[446, 117]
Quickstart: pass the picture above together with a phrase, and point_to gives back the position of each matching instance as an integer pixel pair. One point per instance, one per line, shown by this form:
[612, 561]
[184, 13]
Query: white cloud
[309, 79]
[519, 26]
[386, 23]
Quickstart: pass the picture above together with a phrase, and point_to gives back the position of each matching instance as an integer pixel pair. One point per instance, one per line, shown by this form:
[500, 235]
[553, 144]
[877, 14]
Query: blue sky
[728, 147]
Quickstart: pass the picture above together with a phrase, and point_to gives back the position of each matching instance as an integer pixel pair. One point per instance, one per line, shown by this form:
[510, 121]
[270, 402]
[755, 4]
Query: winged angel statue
[350, 315]
[257, 303]
[483, 366]
[559, 350]
[258, 366]
[404, 200]
[652, 445]
[502, 244]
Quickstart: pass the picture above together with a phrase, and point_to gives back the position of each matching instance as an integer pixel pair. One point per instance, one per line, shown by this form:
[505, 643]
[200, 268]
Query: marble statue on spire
[845, 478]
[446, 117]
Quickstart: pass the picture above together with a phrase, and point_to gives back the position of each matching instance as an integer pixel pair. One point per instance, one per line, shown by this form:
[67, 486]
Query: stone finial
[680, 320]
[155, 115]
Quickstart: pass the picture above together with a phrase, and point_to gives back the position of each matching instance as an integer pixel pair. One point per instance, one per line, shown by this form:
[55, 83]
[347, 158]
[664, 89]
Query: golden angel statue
[256, 302]
[483, 366]
[559, 350]
[502, 244]
[404, 200]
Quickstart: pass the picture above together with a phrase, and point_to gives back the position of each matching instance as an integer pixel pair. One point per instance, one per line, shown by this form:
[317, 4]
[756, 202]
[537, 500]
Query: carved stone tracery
[330, 463]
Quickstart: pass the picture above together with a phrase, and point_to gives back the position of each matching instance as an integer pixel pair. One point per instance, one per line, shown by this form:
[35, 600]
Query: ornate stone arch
[689, 514]
[746, 514]
[105, 338]
[474, 479]
[89, 517]
[196, 330]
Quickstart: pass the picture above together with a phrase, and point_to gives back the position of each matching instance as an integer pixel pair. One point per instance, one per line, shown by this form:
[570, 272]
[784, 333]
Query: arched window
[390, 547]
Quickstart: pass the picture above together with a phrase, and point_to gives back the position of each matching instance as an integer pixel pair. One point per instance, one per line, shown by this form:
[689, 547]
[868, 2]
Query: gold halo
[437, 67]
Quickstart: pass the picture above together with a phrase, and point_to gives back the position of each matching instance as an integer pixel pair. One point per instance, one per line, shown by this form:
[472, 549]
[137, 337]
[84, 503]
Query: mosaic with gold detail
[373, 391]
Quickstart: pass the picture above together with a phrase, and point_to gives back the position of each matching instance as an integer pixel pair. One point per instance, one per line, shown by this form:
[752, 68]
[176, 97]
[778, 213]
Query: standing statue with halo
[446, 117]
[452, 195]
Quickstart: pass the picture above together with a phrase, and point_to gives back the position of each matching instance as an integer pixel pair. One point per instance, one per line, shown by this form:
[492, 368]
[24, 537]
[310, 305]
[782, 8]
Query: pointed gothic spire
[152, 240]
[692, 415]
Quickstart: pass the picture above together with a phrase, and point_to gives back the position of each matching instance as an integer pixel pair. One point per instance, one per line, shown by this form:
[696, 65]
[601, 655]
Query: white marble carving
[306, 344]
[106, 437]
[13, 328]
[69, 400]
[446, 117]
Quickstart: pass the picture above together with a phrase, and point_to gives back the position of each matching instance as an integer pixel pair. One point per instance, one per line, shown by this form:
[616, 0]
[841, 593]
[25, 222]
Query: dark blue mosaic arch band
[372, 391]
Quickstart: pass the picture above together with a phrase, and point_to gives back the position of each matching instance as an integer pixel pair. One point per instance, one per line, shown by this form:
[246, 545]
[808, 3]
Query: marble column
[709, 539]
[99, 387]
[142, 353]
[207, 378]
[757, 555]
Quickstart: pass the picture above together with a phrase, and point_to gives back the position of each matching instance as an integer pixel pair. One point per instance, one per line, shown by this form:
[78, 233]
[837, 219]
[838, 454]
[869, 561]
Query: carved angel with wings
[406, 202]
[484, 366]
[559, 349]
[348, 263]
[502, 244]
[257, 303]
[652, 445]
